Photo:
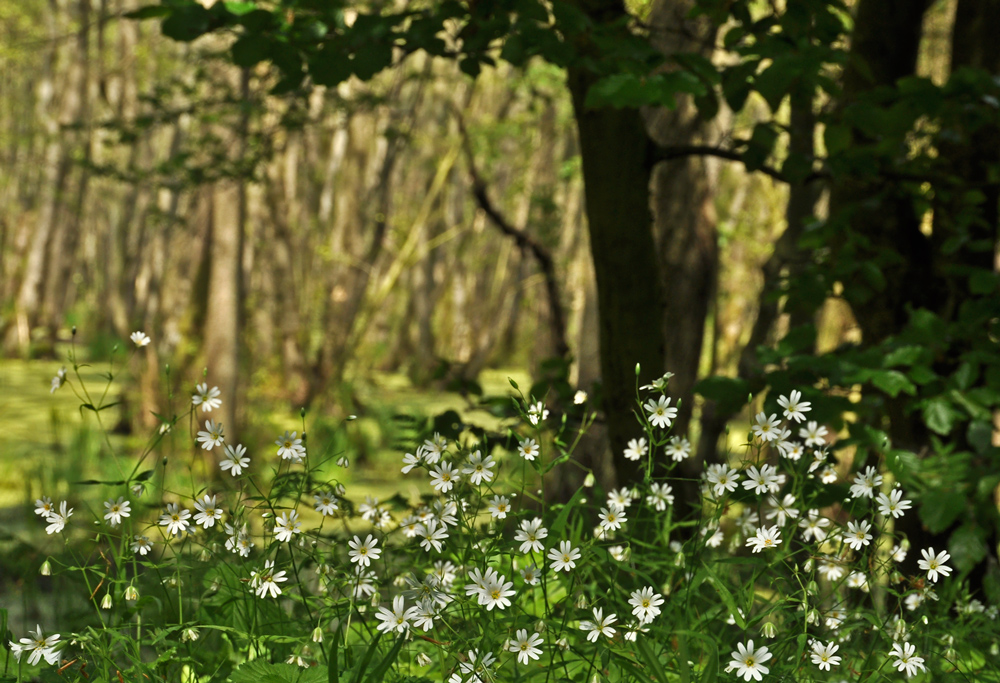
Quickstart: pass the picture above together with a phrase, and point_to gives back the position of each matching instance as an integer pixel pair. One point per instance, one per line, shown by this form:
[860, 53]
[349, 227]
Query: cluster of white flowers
[494, 533]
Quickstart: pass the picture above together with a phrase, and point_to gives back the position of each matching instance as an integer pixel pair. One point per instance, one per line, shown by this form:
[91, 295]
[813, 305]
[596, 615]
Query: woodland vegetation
[754, 196]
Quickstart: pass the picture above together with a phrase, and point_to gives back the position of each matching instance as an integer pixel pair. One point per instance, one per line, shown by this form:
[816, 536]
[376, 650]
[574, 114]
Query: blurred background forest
[404, 224]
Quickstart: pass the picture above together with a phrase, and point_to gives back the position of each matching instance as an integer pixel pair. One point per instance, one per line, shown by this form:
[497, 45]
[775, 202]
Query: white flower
[828, 475]
[782, 510]
[530, 575]
[678, 448]
[397, 619]
[528, 449]
[267, 580]
[857, 534]
[141, 544]
[612, 518]
[660, 412]
[814, 526]
[831, 571]
[478, 468]
[645, 604]
[813, 434]
[564, 559]
[58, 380]
[722, 478]
[934, 564]
[795, 407]
[822, 655]
[898, 553]
[235, 460]
[364, 553]
[207, 398]
[526, 647]
[637, 448]
[748, 662]
[477, 668]
[411, 460]
[444, 477]
[620, 498]
[531, 534]
[496, 593]
[766, 427]
[423, 614]
[659, 384]
[893, 504]
[765, 538]
[290, 447]
[866, 483]
[433, 533]
[537, 412]
[211, 436]
[116, 510]
[208, 511]
[580, 397]
[660, 496]
[139, 339]
[764, 480]
[57, 520]
[600, 626]
[434, 448]
[39, 646]
[499, 507]
[44, 507]
[325, 503]
[175, 519]
[286, 526]
[905, 659]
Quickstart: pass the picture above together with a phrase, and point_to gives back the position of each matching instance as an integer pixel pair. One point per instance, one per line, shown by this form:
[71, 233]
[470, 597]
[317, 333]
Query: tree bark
[615, 153]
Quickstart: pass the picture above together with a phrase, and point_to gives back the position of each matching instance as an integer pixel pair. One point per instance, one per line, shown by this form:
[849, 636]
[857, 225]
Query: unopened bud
[46, 569]
[317, 636]
[769, 630]
[106, 602]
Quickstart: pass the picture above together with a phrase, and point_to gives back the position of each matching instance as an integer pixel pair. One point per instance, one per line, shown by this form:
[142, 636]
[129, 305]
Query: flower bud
[423, 659]
[106, 602]
[317, 635]
[45, 569]
[769, 630]
[189, 635]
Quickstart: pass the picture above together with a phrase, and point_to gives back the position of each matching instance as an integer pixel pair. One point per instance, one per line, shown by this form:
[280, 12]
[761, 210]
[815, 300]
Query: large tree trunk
[615, 152]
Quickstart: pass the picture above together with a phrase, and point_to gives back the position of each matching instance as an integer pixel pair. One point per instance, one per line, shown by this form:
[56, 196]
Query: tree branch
[670, 152]
[524, 241]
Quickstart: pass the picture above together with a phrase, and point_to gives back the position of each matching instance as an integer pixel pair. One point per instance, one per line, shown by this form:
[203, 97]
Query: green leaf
[984, 282]
[980, 435]
[966, 375]
[371, 59]
[939, 509]
[187, 23]
[362, 665]
[250, 50]
[727, 598]
[904, 355]
[730, 393]
[939, 416]
[563, 516]
[260, 671]
[967, 547]
[650, 659]
[379, 672]
[774, 82]
[892, 382]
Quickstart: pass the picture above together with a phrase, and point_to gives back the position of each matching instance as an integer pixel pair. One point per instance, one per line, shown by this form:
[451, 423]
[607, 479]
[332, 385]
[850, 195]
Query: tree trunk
[616, 171]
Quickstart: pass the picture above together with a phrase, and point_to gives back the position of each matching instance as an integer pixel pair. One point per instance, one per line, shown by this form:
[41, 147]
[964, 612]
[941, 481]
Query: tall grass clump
[270, 572]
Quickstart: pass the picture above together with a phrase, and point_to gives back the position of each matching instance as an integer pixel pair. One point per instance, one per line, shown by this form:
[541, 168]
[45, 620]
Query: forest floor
[50, 442]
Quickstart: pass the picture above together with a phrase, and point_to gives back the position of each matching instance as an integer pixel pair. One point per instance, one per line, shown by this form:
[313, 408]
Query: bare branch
[524, 241]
